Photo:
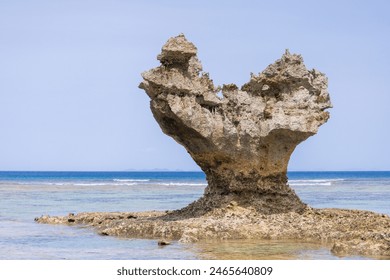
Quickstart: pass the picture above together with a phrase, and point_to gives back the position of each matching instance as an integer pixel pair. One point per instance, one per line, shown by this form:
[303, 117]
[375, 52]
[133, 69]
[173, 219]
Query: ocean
[26, 195]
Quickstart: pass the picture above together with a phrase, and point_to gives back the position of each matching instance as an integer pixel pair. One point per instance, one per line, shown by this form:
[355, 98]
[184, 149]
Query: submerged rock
[163, 243]
[243, 141]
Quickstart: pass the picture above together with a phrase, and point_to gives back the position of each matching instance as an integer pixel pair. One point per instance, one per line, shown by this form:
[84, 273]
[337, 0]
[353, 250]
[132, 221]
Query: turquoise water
[26, 195]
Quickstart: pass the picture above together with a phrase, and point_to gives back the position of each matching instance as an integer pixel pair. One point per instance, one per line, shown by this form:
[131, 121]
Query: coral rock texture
[242, 141]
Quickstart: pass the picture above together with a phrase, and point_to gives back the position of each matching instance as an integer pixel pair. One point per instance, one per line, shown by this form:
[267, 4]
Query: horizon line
[176, 170]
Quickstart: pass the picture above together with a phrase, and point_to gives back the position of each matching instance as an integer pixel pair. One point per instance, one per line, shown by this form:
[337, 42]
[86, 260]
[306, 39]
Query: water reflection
[266, 250]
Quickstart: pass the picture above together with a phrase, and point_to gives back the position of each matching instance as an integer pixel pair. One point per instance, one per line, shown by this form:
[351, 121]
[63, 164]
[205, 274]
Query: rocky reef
[242, 138]
[344, 232]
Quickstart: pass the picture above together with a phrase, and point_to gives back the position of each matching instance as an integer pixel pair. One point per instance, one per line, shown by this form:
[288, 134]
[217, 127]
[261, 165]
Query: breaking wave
[316, 182]
[131, 180]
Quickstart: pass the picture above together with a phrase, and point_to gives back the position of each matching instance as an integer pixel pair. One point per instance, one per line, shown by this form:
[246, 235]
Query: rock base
[346, 232]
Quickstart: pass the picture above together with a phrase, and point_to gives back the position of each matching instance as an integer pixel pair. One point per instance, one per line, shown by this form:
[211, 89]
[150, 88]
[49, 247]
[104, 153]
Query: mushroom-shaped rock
[243, 141]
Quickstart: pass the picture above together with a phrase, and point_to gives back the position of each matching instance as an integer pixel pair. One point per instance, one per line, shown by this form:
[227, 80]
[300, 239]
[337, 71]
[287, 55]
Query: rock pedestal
[244, 139]
[243, 142]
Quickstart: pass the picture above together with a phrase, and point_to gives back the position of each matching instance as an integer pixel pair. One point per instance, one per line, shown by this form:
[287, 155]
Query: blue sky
[69, 75]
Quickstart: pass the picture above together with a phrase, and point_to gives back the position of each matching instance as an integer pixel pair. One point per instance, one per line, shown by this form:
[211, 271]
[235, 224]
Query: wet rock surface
[344, 232]
[243, 142]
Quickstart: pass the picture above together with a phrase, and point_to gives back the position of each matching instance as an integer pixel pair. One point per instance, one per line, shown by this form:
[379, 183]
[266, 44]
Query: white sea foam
[82, 184]
[181, 184]
[315, 182]
[143, 183]
[311, 184]
[131, 180]
[149, 182]
[121, 183]
[104, 184]
[117, 182]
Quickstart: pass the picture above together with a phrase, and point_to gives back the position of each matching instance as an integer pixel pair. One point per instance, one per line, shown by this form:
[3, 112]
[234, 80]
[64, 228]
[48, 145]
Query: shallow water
[267, 250]
[26, 195]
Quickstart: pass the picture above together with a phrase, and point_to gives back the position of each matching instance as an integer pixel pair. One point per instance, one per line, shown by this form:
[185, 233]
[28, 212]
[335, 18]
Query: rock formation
[243, 140]
[243, 143]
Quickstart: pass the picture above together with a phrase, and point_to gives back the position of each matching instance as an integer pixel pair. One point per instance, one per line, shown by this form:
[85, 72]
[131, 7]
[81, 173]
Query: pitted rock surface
[243, 143]
[244, 140]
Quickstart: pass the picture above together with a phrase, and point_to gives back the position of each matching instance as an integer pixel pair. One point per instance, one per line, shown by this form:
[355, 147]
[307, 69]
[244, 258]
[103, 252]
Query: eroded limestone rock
[344, 232]
[243, 141]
